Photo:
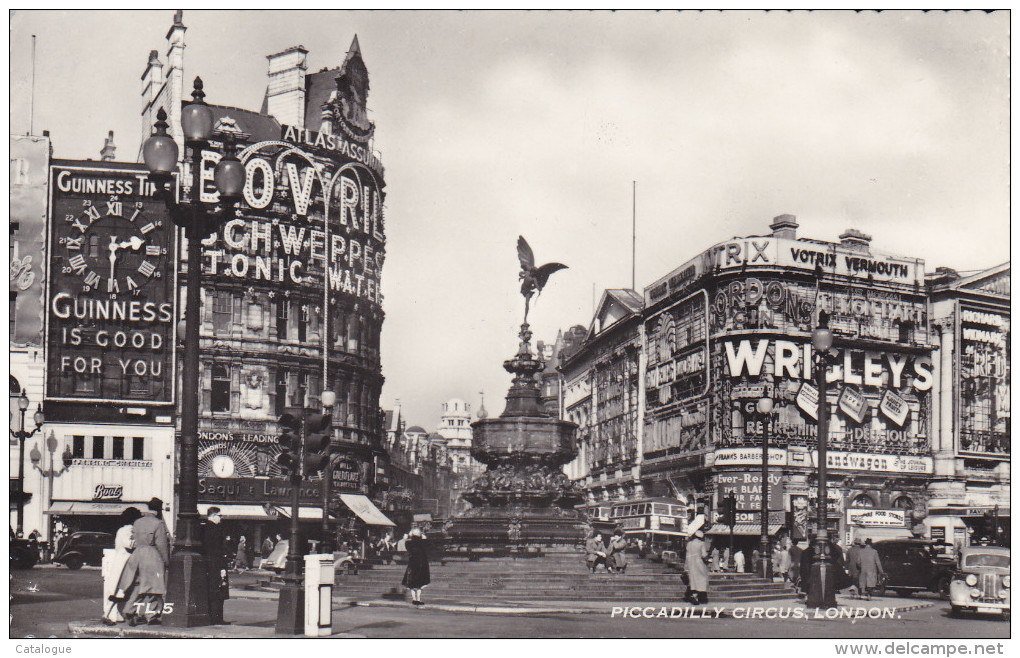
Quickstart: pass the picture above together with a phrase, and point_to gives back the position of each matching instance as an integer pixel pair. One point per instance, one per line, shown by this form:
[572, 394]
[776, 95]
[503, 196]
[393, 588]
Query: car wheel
[904, 593]
[955, 612]
[73, 562]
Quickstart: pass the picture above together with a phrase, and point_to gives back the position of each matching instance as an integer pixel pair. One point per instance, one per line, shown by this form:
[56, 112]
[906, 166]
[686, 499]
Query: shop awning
[365, 509]
[742, 529]
[675, 533]
[72, 507]
[239, 512]
[304, 513]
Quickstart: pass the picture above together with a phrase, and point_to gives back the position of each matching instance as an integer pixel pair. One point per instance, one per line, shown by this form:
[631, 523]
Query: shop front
[107, 470]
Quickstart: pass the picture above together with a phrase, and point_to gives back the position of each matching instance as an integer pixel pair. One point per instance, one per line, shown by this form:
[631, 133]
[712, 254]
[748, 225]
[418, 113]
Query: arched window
[220, 389]
[15, 387]
[903, 503]
[862, 501]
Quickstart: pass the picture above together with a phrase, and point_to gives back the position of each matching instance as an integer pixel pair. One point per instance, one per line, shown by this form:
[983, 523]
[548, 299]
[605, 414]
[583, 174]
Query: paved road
[62, 596]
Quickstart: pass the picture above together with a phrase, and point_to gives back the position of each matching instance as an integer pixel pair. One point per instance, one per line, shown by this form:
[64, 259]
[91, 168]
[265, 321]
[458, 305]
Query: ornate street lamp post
[822, 579]
[187, 584]
[328, 399]
[765, 409]
[51, 446]
[21, 435]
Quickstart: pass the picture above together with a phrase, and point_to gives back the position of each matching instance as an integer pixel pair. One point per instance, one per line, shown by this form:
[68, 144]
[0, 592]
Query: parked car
[277, 559]
[981, 582]
[24, 553]
[914, 565]
[83, 548]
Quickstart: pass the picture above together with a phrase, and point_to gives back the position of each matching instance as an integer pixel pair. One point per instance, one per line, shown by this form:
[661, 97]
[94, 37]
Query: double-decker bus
[655, 524]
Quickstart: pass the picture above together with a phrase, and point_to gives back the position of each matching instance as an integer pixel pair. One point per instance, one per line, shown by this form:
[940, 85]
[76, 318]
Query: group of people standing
[134, 579]
[611, 556]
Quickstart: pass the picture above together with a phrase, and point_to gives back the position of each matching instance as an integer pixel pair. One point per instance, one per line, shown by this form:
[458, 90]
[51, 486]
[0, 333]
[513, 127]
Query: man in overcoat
[143, 579]
[871, 571]
[214, 547]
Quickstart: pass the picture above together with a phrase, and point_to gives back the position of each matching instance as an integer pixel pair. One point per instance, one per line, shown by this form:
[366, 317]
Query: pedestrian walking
[217, 558]
[616, 560]
[417, 575]
[738, 561]
[697, 563]
[853, 564]
[784, 563]
[595, 552]
[871, 571]
[777, 553]
[241, 559]
[267, 546]
[113, 565]
[142, 583]
[794, 571]
[756, 561]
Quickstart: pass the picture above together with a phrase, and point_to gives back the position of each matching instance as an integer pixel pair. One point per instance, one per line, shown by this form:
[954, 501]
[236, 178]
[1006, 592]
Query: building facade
[291, 301]
[969, 493]
[734, 325]
[603, 383]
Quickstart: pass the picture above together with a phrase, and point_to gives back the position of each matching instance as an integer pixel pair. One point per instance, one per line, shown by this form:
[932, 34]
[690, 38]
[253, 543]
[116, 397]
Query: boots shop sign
[110, 302]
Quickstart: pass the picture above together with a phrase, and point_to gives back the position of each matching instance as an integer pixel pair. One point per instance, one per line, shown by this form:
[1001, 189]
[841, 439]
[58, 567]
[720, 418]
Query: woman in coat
[113, 566]
[617, 560]
[697, 568]
[870, 569]
[417, 574]
[143, 582]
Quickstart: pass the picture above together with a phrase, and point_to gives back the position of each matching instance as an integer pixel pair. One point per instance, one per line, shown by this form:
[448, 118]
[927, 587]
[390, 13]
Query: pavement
[252, 614]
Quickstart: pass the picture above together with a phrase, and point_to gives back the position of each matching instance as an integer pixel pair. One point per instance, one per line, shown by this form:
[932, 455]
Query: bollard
[319, 572]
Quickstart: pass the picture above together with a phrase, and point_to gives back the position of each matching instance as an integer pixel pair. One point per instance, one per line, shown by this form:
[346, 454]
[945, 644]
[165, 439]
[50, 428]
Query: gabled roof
[318, 87]
[993, 281]
[617, 304]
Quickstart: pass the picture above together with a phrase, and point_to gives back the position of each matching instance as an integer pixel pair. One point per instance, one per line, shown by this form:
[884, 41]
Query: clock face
[222, 466]
[115, 248]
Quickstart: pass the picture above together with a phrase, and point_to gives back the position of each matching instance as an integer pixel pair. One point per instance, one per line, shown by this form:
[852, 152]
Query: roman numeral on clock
[115, 208]
[146, 268]
[78, 264]
[91, 279]
[131, 284]
[74, 243]
[112, 286]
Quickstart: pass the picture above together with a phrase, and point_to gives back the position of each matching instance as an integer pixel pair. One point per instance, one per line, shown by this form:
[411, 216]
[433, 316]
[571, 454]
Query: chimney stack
[109, 152]
[784, 227]
[854, 240]
[285, 94]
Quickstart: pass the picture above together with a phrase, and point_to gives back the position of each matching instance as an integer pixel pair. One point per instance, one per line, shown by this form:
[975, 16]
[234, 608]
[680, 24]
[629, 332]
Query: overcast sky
[494, 124]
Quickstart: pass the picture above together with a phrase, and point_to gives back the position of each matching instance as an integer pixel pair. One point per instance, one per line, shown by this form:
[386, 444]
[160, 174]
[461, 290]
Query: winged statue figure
[533, 279]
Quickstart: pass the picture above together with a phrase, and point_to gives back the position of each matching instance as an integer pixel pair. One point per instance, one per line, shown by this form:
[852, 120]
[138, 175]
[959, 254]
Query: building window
[301, 391]
[138, 448]
[282, 314]
[303, 319]
[903, 503]
[281, 392]
[222, 303]
[118, 448]
[78, 446]
[863, 501]
[98, 444]
[220, 391]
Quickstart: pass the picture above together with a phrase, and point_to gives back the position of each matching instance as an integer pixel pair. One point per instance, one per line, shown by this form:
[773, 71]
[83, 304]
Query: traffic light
[318, 433]
[728, 510]
[290, 443]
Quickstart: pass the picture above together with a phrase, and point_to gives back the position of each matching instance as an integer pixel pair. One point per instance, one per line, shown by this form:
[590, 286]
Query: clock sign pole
[187, 583]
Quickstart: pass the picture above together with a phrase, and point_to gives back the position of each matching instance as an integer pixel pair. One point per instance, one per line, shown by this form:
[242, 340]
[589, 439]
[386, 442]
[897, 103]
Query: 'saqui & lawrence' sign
[111, 302]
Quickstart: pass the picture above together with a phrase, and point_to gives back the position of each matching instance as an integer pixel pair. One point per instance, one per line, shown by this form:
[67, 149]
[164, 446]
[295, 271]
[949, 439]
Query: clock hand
[113, 256]
[134, 243]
